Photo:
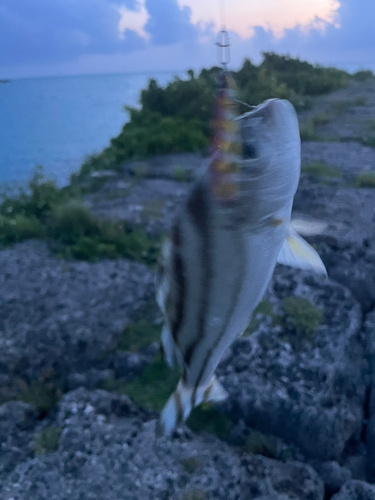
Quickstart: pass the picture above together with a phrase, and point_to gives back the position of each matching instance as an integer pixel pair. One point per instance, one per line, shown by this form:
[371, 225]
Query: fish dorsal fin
[296, 252]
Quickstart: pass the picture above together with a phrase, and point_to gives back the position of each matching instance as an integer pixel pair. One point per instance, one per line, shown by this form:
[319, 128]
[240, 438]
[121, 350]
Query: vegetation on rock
[300, 321]
[177, 118]
[365, 180]
[42, 210]
[47, 440]
[320, 169]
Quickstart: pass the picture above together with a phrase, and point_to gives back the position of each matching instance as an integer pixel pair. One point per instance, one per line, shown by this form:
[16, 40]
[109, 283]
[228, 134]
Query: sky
[62, 37]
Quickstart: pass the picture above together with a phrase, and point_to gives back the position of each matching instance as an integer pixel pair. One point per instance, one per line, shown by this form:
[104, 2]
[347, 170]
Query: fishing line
[222, 14]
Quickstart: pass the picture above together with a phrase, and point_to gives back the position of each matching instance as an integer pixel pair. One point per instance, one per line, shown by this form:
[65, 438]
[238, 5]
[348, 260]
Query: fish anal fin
[296, 252]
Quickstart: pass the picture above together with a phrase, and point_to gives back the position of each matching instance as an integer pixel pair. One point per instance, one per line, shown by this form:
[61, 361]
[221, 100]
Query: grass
[151, 389]
[320, 169]
[195, 495]
[365, 180]
[265, 308]
[191, 464]
[43, 211]
[181, 175]
[42, 395]
[258, 443]
[321, 119]
[300, 321]
[307, 133]
[139, 335]
[206, 418]
[343, 105]
[153, 209]
[47, 440]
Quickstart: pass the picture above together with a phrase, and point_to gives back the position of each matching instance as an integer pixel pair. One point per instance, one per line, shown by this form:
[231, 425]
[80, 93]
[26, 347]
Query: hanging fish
[225, 242]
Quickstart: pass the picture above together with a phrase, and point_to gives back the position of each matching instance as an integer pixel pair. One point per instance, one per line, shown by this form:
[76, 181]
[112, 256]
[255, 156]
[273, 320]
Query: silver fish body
[221, 255]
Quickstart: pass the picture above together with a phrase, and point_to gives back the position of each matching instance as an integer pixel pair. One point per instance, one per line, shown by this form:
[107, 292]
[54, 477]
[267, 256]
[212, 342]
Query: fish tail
[183, 401]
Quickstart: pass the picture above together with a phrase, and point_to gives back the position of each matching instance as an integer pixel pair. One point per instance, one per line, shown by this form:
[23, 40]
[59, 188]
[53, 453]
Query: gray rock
[333, 475]
[107, 450]
[17, 423]
[356, 490]
[310, 392]
[369, 335]
[89, 380]
[60, 317]
[349, 157]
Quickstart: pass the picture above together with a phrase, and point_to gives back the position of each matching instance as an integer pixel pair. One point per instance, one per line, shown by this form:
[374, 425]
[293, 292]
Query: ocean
[56, 122]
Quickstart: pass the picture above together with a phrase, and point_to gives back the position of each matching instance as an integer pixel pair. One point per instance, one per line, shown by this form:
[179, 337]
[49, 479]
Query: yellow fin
[296, 252]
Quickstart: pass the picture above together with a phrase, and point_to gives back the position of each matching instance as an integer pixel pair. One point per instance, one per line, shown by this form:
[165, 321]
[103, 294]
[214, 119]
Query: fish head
[271, 159]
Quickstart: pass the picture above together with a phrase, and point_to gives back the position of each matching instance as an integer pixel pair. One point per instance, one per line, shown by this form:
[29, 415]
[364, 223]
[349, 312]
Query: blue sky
[57, 37]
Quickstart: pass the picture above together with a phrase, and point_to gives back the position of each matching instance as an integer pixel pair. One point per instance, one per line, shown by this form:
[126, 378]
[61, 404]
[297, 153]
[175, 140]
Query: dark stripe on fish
[179, 279]
[179, 409]
[232, 308]
[198, 209]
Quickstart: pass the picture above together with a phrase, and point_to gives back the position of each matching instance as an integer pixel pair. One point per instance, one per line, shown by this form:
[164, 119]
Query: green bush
[369, 141]
[177, 117]
[365, 180]
[44, 211]
[363, 75]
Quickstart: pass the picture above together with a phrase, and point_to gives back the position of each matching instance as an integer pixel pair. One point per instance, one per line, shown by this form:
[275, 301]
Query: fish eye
[249, 151]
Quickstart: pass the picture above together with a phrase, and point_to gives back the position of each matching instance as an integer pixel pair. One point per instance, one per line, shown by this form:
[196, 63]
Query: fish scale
[225, 242]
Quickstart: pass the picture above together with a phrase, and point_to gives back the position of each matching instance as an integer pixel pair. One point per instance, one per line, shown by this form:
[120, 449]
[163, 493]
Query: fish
[224, 244]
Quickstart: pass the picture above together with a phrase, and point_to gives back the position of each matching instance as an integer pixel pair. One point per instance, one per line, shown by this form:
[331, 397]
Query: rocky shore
[299, 423]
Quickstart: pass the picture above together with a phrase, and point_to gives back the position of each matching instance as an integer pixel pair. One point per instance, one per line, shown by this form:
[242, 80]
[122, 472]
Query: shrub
[43, 210]
[177, 117]
[365, 180]
[369, 141]
[363, 75]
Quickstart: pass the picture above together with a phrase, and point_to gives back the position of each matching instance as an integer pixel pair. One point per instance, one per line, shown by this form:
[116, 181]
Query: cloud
[58, 30]
[350, 41]
[134, 20]
[169, 23]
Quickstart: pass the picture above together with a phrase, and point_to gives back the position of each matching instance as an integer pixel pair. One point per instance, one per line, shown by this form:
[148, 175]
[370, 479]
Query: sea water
[56, 122]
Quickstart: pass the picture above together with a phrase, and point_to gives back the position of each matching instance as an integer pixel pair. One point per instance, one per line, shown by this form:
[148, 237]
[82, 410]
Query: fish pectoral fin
[183, 401]
[296, 252]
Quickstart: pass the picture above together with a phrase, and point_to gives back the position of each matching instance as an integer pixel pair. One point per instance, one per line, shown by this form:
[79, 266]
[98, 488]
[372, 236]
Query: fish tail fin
[183, 400]
[296, 252]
